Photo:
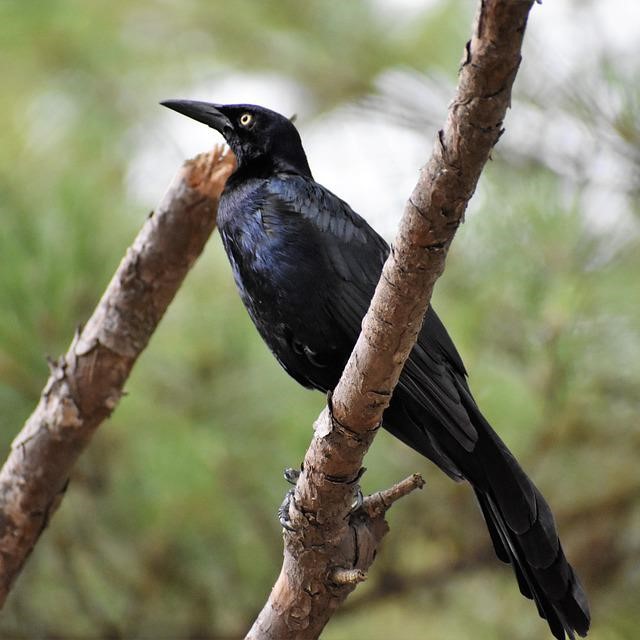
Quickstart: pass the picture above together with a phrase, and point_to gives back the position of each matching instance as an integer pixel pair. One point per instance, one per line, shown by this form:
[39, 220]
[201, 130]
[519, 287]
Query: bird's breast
[280, 277]
[273, 268]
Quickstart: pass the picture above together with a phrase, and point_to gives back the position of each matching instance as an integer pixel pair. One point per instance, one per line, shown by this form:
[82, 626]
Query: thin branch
[86, 384]
[380, 502]
[326, 539]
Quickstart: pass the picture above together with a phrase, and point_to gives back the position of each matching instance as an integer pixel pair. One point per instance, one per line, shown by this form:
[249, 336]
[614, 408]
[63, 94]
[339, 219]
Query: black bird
[306, 266]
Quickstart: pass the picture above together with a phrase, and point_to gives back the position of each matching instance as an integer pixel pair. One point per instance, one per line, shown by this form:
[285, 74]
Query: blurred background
[168, 530]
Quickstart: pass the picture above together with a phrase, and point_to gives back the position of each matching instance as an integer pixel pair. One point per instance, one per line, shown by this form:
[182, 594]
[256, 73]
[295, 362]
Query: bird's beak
[204, 112]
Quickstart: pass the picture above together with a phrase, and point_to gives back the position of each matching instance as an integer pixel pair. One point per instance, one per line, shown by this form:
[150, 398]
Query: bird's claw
[291, 475]
[358, 501]
[283, 511]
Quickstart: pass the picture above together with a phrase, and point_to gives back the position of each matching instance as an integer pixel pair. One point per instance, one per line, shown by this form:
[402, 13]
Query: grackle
[306, 266]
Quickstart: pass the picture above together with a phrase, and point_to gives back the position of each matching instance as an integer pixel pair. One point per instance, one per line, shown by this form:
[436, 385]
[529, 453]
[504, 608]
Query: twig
[379, 503]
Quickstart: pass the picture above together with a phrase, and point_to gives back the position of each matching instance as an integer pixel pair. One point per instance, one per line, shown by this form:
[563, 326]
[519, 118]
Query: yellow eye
[246, 119]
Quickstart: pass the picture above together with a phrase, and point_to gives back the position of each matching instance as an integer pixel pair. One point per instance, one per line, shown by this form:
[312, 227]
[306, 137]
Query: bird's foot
[291, 475]
[283, 511]
[357, 502]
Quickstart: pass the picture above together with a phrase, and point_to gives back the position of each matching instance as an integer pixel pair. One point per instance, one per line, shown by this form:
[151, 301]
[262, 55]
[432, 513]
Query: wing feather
[355, 253]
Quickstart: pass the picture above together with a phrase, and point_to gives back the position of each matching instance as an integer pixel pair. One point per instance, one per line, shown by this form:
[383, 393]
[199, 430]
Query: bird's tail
[524, 534]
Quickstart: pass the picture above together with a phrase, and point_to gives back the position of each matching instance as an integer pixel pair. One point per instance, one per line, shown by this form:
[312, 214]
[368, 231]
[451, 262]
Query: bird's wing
[355, 253]
[434, 377]
[352, 251]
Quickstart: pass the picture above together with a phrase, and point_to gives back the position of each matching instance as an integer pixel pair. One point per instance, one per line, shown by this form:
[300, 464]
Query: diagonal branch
[327, 542]
[86, 384]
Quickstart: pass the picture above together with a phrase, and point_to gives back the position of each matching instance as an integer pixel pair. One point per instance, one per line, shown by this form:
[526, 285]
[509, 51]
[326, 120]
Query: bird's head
[259, 138]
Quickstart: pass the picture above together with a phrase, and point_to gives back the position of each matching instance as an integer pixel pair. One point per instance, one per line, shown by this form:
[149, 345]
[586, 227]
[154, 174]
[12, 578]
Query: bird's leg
[291, 475]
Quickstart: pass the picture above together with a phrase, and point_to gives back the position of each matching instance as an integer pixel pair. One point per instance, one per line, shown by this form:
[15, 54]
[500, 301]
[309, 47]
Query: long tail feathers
[554, 587]
[523, 532]
[519, 519]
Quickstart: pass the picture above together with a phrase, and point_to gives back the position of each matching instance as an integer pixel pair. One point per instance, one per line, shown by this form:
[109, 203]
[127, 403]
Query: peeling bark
[328, 542]
[86, 383]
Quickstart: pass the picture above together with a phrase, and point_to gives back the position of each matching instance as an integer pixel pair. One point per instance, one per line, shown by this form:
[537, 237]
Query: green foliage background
[168, 529]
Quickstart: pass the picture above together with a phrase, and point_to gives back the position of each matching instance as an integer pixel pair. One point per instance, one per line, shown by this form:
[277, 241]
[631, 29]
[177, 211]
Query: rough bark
[86, 384]
[326, 541]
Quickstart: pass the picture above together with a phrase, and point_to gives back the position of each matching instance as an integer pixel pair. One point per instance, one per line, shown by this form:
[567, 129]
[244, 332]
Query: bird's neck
[267, 166]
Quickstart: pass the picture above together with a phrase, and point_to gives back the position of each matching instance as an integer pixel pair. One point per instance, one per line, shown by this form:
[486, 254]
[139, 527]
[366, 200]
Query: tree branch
[86, 384]
[327, 542]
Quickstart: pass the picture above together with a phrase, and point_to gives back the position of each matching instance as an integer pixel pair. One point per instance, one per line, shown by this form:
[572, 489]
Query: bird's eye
[246, 119]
